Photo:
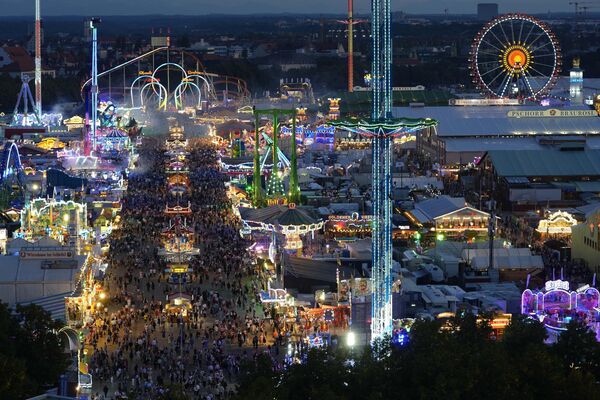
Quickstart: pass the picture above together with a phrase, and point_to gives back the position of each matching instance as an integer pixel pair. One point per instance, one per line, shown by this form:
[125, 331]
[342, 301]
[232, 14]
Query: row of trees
[31, 354]
[461, 360]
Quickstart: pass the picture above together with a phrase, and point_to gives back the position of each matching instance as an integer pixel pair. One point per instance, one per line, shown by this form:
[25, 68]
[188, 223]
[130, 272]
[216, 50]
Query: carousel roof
[294, 216]
[279, 214]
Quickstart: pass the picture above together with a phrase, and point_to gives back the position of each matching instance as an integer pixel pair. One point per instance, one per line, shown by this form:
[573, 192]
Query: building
[465, 133]
[585, 241]
[487, 11]
[449, 217]
[551, 177]
[15, 60]
[36, 271]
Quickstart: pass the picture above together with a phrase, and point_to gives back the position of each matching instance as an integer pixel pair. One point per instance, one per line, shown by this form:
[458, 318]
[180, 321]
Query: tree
[31, 354]
[452, 360]
[257, 380]
[577, 348]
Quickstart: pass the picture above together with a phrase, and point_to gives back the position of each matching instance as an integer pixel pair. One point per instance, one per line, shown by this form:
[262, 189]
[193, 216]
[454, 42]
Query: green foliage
[460, 359]
[31, 354]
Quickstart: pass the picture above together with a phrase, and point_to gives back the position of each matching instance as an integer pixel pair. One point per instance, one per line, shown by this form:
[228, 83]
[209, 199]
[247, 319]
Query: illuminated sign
[145, 73]
[46, 254]
[354, 217]
[552, 113]
[179, 268]
[557, 284]
[485, 102]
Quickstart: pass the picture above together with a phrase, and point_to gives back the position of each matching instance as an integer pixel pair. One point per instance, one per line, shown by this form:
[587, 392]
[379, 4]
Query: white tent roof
[23, 280]
[504, 258]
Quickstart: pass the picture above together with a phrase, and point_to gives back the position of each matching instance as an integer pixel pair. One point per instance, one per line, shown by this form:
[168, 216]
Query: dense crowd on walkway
[140, 350]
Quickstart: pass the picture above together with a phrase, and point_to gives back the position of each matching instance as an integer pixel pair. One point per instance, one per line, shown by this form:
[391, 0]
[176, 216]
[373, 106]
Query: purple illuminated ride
[555, 305]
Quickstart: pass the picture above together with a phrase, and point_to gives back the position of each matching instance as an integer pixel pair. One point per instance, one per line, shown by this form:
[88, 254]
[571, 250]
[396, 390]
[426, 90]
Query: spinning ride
[12, 176]
[556, 305]
[515, 56]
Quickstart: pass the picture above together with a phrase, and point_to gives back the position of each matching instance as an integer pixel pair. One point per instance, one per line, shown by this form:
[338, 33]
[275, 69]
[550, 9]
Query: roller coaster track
[215, 79]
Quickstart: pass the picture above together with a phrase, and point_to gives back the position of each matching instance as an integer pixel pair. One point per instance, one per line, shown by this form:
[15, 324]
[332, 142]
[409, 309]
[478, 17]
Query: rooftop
[546, 162]
[461, 121]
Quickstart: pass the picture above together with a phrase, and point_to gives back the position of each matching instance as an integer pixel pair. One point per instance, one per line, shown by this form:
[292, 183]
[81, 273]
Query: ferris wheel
[515, 56]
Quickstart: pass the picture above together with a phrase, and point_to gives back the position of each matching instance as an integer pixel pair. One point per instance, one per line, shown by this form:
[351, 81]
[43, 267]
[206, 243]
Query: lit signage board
[557, 284]
[45, 254]
[552, 113]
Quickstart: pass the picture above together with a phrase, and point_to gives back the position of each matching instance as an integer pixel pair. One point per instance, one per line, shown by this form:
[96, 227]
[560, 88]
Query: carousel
[177, 167]
[555, 305]
[178, 184]
[179, 210]
[178, 240]
[65, 221]
[294, 223]
[558, 223]
[176, 139]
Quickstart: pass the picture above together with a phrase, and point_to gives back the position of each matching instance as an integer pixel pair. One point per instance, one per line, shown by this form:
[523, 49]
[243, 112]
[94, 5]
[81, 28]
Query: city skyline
[190, 7]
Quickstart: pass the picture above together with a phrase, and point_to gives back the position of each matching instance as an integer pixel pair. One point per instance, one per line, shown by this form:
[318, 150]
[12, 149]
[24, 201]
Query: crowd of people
[140, 348]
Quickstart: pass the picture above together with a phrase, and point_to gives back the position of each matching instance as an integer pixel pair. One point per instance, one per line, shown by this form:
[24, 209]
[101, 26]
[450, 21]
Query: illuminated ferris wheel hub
[516, 59]
[515, 56]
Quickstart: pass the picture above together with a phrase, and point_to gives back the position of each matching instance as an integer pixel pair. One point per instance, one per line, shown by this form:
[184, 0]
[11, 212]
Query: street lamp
[351, 339]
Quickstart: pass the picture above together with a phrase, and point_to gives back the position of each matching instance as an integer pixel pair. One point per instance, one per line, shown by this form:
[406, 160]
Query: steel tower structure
[26, 98]
[94, 87]
[350, 21]
[381, 314]
[275, 191]
[382, 128]
[351, 45]
[38, 59]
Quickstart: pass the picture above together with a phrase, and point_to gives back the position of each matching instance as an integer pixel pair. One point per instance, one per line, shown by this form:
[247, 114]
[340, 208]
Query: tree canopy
[459, 359]
[31, 354]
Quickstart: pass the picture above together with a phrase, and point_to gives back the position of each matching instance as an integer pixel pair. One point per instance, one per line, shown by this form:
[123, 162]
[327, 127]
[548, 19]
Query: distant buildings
[487, 11]
[586, 241]
[14, 60]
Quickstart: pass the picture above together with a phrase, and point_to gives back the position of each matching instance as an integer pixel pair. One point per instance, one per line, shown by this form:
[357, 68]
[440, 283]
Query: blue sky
[194, 7]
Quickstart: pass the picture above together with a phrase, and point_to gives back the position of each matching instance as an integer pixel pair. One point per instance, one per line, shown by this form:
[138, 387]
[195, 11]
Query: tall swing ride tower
[38, 59]
[381, 127]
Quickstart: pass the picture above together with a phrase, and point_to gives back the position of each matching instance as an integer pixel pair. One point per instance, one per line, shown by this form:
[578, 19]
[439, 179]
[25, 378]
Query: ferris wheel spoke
[530, 45]
[541, 74]
[493, 62]
[503, 32]
[545, 65]
[496, 77]
[512, 31]
[529, 33]
[491, 45]
[499, 41]
[553, 55]
[521, 30]
[540, 47]
[491, 70]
